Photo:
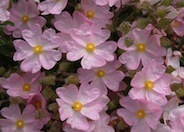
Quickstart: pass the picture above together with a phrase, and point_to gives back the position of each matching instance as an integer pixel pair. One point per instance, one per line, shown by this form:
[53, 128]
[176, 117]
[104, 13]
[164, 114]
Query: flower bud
[53, 107]
[49, 93]
[180, 92]
[64, 66]
[72, 79]
[48, 80]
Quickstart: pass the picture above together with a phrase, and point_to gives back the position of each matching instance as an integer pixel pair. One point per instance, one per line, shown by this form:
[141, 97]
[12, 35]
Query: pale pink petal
[65, 110]
[131, 59]
[140, 126]
[14, 82]
[75, 54]
[31, 64]
[86, 75]
[112, 80]
[87, 93]
[137, 93]
[127, 116]
[155, 97]
[92, 60]
[23, 50]
[12, 112]
[49, 58]
[68, 94]
[78, 121]
[129, 104]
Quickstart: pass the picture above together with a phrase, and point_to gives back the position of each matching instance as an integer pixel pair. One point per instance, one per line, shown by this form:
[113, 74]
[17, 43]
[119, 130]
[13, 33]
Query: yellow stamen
[141, 47]
[100, 73]
[20, 123]
[90, 47]
[25, 19]
[175, 24]
[38, 104]
[140, 114]
[77, 106]
[37, 49]
[149, 85]
[26, 87]
[90, 14]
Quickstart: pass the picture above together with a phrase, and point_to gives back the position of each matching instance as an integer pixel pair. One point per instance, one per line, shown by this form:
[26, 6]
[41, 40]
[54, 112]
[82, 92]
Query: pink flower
[142, 115]
[90, 45]
[23, 86]
[139, 47]
[38, 50]
[24, 14]
[101, 125]
[178, 23]
[105, 2]
[4, 13]
[19, 122]
[37, 100]
[52, 6]
[75, 105]
[65, 23]
[151, 84]
[176, 119]
[102, 77]
[96, 14]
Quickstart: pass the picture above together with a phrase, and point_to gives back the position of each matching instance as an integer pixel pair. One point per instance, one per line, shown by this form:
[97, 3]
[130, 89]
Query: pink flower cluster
[125, 78]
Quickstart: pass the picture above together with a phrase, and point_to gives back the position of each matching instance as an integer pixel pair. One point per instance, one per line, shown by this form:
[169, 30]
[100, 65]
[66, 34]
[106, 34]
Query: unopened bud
[72, 79]
[49, 93]
[64, 66]
[180, 92]
[48, 80]
[16, 100]
[53, 107]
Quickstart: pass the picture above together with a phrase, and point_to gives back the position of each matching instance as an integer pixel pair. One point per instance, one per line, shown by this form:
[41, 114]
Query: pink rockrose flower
[4, 13]
[23, 86]
[24, 15]
[39, 50]
[65, 23]
[178, 23]
[142, 115]
[151, 84]
[102, 77]
[37, 100]
[176, 119]
[105, 2]
[140, 47]
[91, 45]
[19, 122]
[76, 104]
[96, 14]
[101, 125]
[52, 6]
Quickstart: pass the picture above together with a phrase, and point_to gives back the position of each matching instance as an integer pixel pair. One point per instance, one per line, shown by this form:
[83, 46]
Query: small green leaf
[2, 42]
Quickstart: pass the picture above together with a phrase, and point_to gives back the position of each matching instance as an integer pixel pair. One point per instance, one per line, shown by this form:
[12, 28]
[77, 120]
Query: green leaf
[7, 23]
[2, 42]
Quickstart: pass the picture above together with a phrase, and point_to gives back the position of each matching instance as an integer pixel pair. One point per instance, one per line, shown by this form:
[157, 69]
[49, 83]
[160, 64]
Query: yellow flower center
[20, 123]
[25, 19]
[140, 114]
[100, 73]
[175, 24]
[77, 106]
[90, 47]
[141, 47]
[90, 14]
[37, 49]
[149, 85]
[26, 87]
[38, 104]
